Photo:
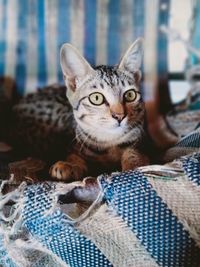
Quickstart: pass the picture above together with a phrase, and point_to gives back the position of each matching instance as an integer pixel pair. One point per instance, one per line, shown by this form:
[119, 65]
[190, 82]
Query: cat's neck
[133, 136]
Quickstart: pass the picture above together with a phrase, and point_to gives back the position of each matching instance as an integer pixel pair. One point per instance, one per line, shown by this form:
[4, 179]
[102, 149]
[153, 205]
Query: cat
[101, 121]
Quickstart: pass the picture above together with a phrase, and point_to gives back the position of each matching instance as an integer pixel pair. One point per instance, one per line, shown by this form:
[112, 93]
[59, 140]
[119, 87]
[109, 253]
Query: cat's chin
[112, 136]
[117, 135]
[115, 132]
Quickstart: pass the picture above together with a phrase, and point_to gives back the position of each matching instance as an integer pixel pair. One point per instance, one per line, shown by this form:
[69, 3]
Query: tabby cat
[101, 120]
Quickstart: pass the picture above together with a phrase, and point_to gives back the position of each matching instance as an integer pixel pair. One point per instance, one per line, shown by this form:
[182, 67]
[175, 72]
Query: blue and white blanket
[148, 217]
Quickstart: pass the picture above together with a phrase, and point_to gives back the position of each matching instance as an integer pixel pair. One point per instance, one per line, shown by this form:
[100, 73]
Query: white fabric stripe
[77, 24]
[1, 19]
[126, 24]
[11, 38]
[102, 27]
[32, 49]
[116, 241]
[1, 16]
[150, 48]
[51, 19]
[183, 198]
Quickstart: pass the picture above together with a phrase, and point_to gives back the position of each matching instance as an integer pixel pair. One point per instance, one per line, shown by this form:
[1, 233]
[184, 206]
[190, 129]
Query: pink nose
[118, 112]
[118, 116]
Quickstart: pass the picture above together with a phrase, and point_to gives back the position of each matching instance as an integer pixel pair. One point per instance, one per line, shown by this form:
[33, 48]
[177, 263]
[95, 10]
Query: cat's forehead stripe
[111, 76]
[102, 86]
[109, 79]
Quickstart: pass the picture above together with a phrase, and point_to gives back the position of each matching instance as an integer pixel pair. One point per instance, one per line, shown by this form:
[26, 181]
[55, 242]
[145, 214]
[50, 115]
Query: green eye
[130, 95]
[96, 99]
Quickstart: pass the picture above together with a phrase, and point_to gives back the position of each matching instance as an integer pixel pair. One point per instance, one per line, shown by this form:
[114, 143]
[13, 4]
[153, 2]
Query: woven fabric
[117, 242]
[55, 233]
[183, 123]
[153, 222]
[183, 199]
[192, 168]
[32, 32]
[22, 254]
[150, 217]
[187, 145]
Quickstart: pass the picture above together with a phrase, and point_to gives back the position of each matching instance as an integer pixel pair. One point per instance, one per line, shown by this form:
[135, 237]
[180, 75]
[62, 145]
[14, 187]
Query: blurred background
[32, 32]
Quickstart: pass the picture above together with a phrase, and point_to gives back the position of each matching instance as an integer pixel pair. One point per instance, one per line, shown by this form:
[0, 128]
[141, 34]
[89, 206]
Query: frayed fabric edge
[16, 244]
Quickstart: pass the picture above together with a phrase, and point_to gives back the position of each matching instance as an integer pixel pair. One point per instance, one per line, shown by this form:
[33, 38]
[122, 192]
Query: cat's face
[106, 101]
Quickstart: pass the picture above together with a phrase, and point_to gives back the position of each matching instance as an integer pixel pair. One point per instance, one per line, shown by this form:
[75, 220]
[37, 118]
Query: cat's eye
[96, 99]
[131, 95]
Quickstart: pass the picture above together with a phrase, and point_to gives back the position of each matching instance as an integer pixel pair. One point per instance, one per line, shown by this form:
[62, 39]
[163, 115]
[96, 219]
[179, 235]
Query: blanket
[143, 218]
[147, 217]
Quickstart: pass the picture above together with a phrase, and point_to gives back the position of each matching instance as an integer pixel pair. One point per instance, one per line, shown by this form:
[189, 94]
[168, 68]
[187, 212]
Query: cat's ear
[74, 66]
[132, 60]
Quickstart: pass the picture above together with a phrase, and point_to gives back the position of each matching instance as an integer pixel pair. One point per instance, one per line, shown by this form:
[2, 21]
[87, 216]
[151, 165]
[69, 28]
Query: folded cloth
[187, 145]
[147, 217]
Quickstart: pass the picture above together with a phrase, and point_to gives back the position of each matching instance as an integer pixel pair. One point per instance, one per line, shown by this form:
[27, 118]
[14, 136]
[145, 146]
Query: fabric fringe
[17, 246]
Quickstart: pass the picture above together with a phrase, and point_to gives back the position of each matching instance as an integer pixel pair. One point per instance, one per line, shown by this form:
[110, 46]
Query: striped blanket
[144, 218]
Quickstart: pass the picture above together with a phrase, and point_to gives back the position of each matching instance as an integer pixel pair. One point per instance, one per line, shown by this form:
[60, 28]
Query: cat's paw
[61, 170]
[65, 171]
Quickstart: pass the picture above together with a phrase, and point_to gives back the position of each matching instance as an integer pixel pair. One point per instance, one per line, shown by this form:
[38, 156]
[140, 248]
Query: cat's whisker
[84, 141]
[77, 136]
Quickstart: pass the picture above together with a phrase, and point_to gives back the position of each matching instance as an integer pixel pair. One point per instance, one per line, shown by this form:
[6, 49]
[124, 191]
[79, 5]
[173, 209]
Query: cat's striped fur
[103, 115]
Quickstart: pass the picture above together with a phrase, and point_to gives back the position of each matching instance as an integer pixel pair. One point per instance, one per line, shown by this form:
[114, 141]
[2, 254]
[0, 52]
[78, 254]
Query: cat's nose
[118, 116]
[118, 112]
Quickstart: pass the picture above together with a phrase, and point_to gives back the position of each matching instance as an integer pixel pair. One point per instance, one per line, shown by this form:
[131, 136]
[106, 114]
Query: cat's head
[106, 101]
